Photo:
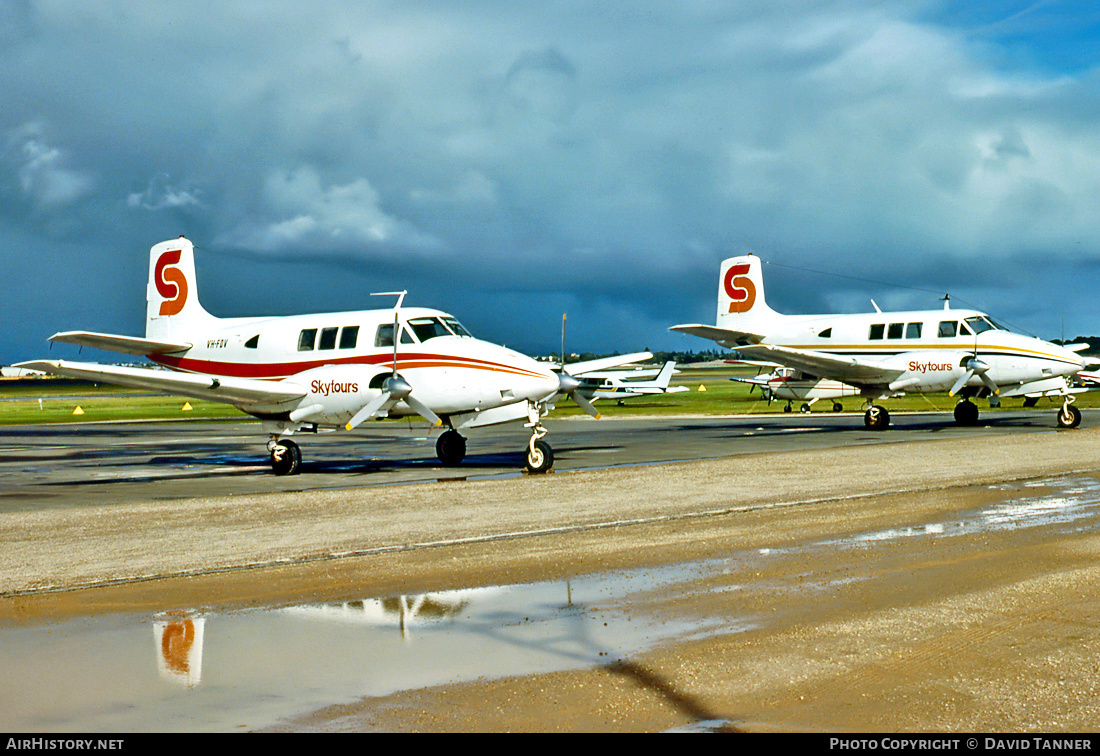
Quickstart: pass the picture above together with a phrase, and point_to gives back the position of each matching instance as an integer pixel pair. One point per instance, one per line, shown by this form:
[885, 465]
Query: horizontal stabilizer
[228, 390]
[123, 344]
[724, 336]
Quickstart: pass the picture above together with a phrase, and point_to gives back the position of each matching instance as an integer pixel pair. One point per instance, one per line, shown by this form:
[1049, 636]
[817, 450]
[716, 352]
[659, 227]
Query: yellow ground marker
[186, 407]
[702, 387]
[78, 411]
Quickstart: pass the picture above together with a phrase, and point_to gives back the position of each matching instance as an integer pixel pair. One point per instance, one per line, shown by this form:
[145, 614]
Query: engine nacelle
[336, 392]
[928, 371]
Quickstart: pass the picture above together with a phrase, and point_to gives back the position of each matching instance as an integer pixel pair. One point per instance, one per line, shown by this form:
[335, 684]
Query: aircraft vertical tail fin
[665, 375]
[172, 296]
[741, 304]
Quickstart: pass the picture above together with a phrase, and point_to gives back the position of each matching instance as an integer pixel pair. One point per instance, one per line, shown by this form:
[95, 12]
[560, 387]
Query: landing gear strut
[540, 457]
[286, 457]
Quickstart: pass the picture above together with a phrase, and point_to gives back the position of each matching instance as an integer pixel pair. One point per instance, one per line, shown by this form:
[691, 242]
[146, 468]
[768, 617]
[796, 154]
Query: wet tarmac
[200, 670]
[79, 464]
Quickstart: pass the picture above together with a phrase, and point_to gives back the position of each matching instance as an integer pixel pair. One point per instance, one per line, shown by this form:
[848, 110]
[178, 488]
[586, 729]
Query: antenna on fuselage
[947, 301]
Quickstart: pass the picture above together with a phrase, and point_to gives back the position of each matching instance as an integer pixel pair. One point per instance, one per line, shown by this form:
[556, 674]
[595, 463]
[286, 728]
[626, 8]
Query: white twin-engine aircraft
[331, 370]
[963, 352]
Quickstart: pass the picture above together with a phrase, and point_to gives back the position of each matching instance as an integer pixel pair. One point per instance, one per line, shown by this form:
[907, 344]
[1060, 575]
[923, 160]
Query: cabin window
[912, 330]
[895, 330]
[826, 334]
[429, 328]
[348, 337]
[253, 342]
[383, 337]
[948, 329]
[306, 339]
[876, 332]
[328, 338]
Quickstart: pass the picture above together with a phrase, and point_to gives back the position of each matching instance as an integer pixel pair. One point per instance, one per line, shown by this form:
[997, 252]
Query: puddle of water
[246, 670]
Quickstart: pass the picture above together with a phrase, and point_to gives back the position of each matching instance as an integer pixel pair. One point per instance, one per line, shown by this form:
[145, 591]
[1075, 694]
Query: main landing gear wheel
[451, 448]
[838, 407]
[966, 413]
[286, 458]
[876, 418]
[540, 457]
[1069, 416]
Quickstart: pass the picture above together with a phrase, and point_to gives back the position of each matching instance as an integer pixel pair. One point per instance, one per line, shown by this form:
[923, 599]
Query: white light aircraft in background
[626, 384]
[963, 352]
[793, 385]
[330, 370]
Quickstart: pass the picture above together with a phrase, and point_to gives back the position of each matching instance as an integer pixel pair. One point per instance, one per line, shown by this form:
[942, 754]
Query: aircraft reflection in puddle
[178, 637]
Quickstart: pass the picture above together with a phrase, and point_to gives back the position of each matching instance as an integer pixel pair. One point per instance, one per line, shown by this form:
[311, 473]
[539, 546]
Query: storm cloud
[509, 162]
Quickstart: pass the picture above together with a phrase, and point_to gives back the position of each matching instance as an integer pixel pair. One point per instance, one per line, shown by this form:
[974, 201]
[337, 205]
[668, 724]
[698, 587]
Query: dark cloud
[509, 162]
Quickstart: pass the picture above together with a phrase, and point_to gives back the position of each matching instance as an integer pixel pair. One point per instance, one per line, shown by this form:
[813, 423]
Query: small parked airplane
[963, 352]
[330, 370]
[626, 384]
[793, 385]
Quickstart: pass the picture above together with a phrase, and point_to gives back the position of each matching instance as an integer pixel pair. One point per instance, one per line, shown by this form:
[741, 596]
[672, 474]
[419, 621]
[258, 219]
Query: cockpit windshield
[430, 328]
[982, 323]
[458, 328]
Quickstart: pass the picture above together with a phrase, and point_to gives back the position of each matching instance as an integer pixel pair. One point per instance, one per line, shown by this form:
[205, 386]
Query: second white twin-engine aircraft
[330, 370]
[963, 352]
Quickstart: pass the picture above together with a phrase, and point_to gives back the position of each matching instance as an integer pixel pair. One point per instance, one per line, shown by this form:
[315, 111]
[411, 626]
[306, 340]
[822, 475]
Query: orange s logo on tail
[739, 288]
[171, 283]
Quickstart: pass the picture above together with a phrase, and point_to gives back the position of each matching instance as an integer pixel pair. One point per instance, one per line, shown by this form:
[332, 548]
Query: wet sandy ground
[852, 594]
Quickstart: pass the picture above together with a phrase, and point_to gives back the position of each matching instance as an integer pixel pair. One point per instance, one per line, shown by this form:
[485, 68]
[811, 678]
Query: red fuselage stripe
[272, 371]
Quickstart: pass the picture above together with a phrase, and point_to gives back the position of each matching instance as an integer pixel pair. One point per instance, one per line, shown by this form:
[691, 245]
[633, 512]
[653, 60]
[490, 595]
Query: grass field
[710, 393]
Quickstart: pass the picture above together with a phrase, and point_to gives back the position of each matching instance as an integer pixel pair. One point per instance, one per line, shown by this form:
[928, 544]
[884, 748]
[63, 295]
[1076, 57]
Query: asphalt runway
[75, 464]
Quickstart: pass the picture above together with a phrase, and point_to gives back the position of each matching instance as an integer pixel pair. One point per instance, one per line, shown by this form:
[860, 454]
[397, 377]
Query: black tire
[966, 413]
[286, 458]
[805, 407]
[838, 407]
[541, 459]
[876, 418]
[451, 448]
[1069, 417]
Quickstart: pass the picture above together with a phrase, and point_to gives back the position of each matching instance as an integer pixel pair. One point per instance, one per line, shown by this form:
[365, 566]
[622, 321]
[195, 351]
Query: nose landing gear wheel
[1069, 417]
[540, 457]
[286, 458]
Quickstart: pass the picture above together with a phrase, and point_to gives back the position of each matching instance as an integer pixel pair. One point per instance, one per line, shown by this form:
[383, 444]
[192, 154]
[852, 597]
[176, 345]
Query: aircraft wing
[124, 344]
[228, 390]
[850, 370]
[577, 369]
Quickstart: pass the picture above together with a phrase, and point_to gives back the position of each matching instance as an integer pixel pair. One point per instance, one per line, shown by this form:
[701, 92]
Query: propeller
[395, 388]
[568, 385]
[974, 366]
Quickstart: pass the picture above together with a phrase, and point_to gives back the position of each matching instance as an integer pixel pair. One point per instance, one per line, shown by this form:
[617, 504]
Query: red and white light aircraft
[963, 352]
[330, 370]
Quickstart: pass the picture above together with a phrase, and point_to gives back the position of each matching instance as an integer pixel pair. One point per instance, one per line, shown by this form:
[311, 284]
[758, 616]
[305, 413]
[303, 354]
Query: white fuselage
[340, 360]
[929, 346]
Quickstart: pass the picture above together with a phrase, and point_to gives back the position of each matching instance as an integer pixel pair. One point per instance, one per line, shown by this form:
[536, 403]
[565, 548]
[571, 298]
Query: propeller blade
[368, 409]
[961, 382]
[989, 384]
[422, 409]
[584, 404]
